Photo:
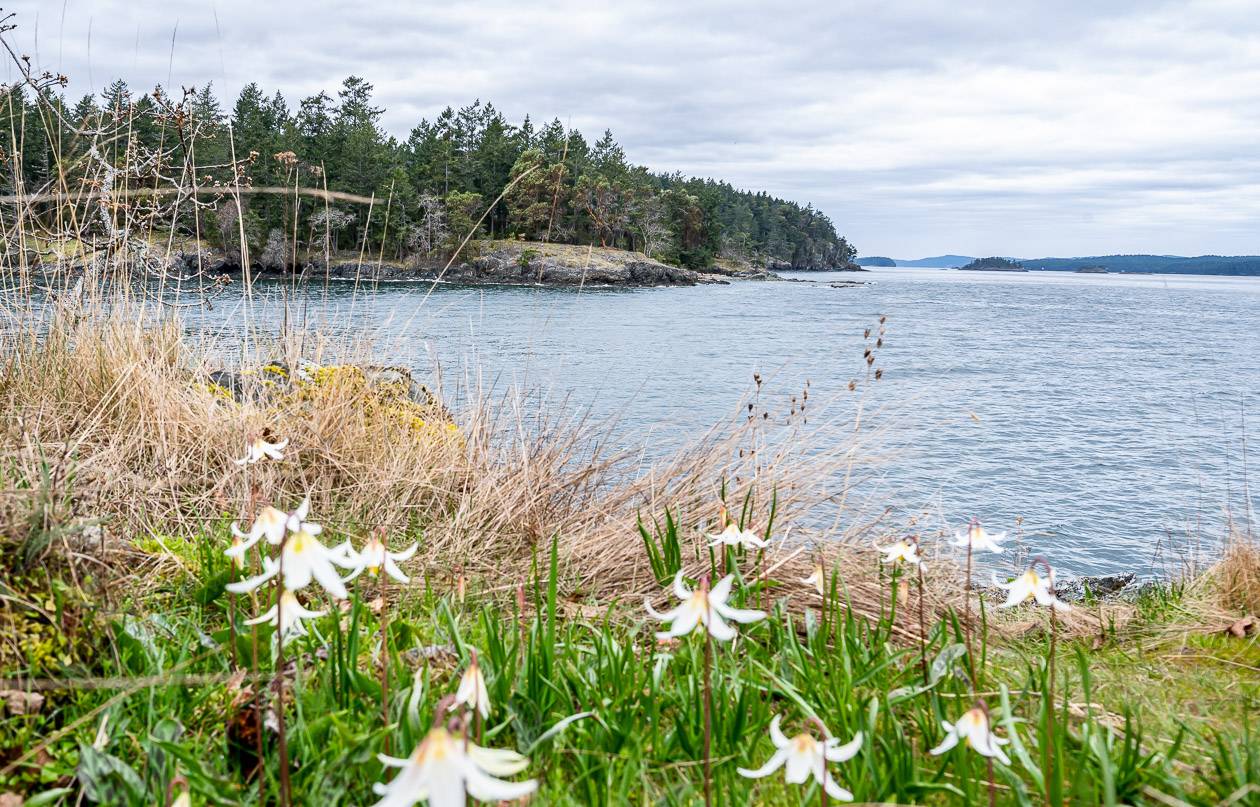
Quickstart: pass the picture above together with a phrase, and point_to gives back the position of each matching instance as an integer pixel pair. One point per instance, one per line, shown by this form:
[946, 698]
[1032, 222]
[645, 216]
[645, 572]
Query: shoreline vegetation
[283, 582]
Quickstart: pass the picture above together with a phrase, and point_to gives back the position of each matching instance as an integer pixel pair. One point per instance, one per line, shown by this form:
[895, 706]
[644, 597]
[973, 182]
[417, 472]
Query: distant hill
[1143, 264]
[936, 262]
[1154, 264]
[939, 261]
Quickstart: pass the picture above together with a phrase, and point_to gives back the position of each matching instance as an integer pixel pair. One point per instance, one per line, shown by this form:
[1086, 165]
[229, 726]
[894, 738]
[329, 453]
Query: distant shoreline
[1221, 265]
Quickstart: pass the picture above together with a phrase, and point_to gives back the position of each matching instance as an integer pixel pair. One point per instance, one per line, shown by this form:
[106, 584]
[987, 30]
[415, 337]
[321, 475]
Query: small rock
[17, 702]
[1104, 585]
[1243, 627]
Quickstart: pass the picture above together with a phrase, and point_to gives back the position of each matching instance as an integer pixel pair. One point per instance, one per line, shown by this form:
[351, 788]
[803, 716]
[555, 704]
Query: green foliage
[606, 714]
[568, 191]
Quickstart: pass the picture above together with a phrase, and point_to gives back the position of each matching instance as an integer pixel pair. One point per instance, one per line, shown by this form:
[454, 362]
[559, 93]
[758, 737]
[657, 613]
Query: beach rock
[563, 265]
[1100, 586]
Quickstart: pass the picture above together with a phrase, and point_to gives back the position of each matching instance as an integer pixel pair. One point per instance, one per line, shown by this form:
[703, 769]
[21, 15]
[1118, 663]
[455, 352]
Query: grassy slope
[641, 743]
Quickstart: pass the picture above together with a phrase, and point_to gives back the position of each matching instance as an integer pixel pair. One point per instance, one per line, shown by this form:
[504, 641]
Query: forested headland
[429, 190]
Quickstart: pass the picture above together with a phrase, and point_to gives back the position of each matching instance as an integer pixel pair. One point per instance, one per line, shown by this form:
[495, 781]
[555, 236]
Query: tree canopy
[429, 189]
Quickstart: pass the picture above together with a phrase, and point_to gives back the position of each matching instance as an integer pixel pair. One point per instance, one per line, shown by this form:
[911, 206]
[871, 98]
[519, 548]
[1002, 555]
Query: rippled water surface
[1109, 412]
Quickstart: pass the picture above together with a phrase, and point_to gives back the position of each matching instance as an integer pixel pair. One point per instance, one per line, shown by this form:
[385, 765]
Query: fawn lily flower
[260, 448]
[901, 551]
[975, 729]
[287, 617]
[1032, 586]
[304, 559]
[978, 538]
[236, 553]
[472, 689]
[704, 606]
[734, 536]
[374, 556]
[270, 522]
[818, 579]
[445, 767]
[803, 755]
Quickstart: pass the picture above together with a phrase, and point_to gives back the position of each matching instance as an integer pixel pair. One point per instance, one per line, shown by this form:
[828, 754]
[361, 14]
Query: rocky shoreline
[498, 263]
[515, 263]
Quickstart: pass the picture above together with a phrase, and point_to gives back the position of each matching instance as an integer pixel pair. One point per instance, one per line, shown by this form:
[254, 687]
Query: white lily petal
[680, 590]
[776, 734]
[742, 616]
[951, 740]
[718, 629]
[846, 752]
[773, 764]
[834, 790]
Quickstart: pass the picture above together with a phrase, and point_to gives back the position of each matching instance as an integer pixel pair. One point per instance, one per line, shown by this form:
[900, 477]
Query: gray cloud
[1019, 127]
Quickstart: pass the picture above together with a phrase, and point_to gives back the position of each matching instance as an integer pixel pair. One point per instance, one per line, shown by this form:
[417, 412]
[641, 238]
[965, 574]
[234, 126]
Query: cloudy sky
[1007, 127]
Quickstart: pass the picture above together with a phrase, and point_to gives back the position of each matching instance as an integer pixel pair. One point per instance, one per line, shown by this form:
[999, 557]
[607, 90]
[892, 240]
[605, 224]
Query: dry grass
[109, 418]
[1236, 577]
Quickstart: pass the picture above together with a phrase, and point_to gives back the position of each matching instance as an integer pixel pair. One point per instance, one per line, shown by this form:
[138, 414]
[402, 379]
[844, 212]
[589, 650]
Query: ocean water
[1106, 415]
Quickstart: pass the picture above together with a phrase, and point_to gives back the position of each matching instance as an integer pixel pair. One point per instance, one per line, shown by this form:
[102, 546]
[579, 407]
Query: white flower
[287, 617]
[1032, 586]
[901, 551]
[374, 556]
[734, 536]
[818, 579]
[704, 606]
[236, 552]
[804, 755]
[974, 728]
[445, 767]
[260, 448]
[270, 523]
[304, 558]
[978, 538]
[472, 689]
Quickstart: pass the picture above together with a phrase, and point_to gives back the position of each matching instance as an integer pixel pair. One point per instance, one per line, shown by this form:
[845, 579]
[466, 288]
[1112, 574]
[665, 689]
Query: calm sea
[1109, 413]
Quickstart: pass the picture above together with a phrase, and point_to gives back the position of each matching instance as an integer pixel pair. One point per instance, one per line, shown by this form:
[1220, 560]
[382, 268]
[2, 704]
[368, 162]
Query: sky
[1009, 127]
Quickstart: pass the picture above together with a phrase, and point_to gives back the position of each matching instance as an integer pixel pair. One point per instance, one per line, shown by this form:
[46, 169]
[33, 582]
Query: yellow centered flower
[472, 690]
[973, 727]
[734, 536]
[803, 756]
[446, 768]
[902, 551]
[287, 617]
[374, 557]
[270, 523]
[260, 448]
[303, 558]
[818, 579]
[704, 606]
[1032, 586]
[978, 538]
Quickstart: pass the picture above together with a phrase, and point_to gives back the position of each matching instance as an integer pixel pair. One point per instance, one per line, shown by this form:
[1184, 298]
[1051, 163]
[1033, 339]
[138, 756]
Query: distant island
[1097, 264]
[993, 264]
[1154, 264]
